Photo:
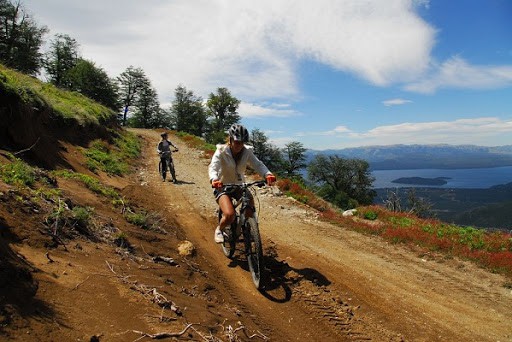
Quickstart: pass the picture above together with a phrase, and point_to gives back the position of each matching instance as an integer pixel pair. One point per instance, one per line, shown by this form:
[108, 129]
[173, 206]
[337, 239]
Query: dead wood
[27, 149]
[163, 335]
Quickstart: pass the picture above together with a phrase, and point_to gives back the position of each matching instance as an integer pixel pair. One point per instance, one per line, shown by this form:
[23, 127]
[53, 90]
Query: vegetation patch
[299, 191]
[90, 182]
[67, 104]
[113, 159]
[17, 172]
[197, 143]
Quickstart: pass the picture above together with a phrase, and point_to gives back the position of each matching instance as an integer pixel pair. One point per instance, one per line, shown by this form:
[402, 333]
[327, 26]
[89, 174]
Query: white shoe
[218, 236]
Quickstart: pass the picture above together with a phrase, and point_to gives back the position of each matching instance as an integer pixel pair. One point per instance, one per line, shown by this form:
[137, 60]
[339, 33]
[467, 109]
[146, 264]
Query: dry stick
[111, 267]
[48, 257]
[80, 283]
[204, 337]
[163, 335]
[27, 149]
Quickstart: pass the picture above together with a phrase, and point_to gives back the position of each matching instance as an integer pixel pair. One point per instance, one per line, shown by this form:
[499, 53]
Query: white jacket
[223, 166]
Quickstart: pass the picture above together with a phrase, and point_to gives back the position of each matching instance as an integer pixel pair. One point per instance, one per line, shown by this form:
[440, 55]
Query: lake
[457, 178]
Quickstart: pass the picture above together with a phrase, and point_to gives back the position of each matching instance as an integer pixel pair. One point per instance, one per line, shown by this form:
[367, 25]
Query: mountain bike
[244, 229]
[166, 163]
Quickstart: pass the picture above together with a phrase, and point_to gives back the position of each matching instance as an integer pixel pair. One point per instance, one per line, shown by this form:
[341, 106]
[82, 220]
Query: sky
[330, 74]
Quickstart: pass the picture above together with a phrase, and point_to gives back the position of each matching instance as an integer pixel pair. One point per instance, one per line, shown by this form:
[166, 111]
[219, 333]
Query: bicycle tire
[254, 252]
[161, 172]
[229, 244]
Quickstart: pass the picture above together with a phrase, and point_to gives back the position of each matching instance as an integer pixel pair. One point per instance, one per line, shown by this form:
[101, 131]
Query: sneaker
[218, 236]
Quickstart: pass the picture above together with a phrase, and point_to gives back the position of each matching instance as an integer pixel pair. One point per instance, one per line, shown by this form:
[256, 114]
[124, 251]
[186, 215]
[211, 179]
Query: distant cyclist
[164, 150]
[228, 165]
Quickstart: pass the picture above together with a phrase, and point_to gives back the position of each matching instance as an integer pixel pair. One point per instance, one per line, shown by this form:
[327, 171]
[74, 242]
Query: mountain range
[402, 157]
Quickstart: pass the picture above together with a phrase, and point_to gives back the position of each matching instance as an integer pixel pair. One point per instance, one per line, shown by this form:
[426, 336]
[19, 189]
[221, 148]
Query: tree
[62, 57]
[294, 159]
[130, 82]
[93, 82]
[188, 113]
[344, 182]
[147, 108]
[20, 38]
[268, 153]
[222, 107]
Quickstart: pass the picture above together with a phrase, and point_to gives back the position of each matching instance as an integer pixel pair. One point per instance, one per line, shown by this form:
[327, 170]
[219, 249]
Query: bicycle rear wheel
[254, 252]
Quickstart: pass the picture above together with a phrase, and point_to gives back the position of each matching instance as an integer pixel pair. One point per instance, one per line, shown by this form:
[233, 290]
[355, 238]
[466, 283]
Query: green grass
[113, 159]
[17, 173]
[67, 104]
[90, 182]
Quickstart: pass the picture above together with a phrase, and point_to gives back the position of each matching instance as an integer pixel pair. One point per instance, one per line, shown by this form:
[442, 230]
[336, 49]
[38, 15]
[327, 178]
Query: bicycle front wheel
[229, 244]
[171, 169]
[254, 252]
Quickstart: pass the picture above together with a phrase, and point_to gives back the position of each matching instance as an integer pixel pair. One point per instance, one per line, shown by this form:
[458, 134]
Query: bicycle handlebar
[166, 152]
[258, 183]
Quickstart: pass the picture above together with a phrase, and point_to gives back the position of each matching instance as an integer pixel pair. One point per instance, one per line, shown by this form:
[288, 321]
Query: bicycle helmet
[238, 132]
[163, 135]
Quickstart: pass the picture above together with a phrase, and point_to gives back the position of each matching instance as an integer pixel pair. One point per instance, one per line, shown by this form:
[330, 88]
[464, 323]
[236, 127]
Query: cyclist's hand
[270, 179]
[217, 184]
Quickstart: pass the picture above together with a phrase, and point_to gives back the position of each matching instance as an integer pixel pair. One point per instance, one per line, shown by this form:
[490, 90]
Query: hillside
[99, 256]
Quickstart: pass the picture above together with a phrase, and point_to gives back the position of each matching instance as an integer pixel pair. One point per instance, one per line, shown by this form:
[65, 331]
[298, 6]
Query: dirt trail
[331, 284]
[327, 283]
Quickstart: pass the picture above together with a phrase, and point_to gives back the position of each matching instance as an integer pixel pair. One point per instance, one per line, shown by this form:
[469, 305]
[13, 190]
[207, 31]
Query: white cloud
[253, 49]
[470, 131]
[457, 73]
[485, 131]
[395, 102]
[251, 110]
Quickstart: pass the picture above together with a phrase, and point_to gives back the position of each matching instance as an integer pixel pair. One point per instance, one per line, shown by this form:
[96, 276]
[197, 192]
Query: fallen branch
[163, 335]
[110, 267]
[170, 261]
[80, 283]
[48, 257]
[27, 149]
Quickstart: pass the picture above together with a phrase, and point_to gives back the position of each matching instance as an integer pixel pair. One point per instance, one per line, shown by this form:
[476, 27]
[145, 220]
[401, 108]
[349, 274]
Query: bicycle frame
[247, 226]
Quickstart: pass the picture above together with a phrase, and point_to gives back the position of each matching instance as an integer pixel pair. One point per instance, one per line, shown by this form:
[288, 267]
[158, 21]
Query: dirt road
[331, 284]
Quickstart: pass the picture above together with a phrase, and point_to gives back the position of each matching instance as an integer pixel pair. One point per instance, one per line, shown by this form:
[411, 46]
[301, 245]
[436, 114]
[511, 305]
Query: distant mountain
[401, 157]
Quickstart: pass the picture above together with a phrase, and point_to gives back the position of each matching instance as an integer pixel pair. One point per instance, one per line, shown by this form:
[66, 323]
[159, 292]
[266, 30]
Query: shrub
[370, 215]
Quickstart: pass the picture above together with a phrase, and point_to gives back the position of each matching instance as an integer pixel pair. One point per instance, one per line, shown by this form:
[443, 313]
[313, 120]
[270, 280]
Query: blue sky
[328, 73]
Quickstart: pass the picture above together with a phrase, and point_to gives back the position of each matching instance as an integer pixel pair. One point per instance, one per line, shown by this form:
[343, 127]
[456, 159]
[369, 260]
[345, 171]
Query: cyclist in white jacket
[228, 165]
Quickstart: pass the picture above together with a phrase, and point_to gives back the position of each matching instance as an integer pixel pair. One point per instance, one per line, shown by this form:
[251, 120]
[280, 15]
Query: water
[457, 178]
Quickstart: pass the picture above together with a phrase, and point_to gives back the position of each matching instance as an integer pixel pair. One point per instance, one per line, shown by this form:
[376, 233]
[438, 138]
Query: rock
[350, 212]
[186, 248]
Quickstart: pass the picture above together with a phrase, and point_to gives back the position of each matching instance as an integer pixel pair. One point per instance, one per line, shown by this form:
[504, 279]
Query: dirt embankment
[326, 283]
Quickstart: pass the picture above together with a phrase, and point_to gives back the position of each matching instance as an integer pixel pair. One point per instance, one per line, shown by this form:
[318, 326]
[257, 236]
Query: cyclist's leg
[228, 212]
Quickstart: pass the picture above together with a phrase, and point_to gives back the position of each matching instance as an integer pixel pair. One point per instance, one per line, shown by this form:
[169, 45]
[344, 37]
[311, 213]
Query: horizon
[330, 74]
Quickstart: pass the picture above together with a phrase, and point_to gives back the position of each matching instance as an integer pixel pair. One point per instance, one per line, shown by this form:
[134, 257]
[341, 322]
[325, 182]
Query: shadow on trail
[280, 278]
[178, 182]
